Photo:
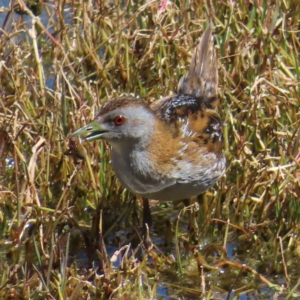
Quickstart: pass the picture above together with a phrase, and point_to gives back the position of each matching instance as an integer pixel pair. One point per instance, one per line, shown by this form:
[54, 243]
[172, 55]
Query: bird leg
[147, 217]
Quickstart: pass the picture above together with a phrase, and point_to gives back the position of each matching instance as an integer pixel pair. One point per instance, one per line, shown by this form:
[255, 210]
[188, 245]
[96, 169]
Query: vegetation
[68, 229]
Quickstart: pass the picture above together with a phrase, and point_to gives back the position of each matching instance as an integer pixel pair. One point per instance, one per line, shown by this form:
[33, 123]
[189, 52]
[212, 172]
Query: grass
[67, 225]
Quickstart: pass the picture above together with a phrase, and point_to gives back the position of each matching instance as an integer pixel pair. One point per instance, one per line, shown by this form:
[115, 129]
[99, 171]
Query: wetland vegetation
[68, 229]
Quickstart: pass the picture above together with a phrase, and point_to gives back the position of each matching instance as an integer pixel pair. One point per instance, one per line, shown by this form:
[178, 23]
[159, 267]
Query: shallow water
[254, 246]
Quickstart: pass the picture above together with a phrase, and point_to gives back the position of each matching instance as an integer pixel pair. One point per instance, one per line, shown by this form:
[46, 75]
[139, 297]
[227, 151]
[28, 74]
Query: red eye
[119, 120]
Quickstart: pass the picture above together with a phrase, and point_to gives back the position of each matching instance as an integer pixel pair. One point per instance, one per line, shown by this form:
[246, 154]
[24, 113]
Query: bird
[171, 149]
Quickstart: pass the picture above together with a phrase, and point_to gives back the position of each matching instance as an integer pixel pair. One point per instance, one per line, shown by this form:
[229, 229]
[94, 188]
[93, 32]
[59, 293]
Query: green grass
[56, 73]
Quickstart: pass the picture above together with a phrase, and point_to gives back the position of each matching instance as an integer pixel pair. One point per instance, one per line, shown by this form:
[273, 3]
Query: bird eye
[119, 120]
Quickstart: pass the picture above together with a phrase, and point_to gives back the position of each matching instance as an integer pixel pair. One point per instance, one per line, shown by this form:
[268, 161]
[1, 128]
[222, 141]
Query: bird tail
[201, 81]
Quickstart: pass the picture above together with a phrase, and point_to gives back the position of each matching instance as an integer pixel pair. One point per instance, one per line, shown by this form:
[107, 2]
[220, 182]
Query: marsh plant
[68, 229]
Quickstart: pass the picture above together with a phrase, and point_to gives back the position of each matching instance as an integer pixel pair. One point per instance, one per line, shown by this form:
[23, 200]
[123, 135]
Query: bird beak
[93, 131]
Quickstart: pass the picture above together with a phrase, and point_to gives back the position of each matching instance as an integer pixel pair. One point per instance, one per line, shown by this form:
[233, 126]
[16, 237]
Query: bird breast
[167, 171]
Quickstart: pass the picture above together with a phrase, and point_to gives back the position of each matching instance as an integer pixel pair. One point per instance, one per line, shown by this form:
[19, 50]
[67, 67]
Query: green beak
[92, 131]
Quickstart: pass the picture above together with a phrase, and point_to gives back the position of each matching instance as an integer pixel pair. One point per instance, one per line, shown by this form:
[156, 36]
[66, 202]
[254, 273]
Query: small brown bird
[172, 149]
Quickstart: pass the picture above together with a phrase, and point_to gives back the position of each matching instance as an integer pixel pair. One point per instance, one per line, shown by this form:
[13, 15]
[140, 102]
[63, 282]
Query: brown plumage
[172, 149]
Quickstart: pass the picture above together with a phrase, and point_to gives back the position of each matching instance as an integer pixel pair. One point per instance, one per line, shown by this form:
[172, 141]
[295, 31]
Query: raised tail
[201, 81]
